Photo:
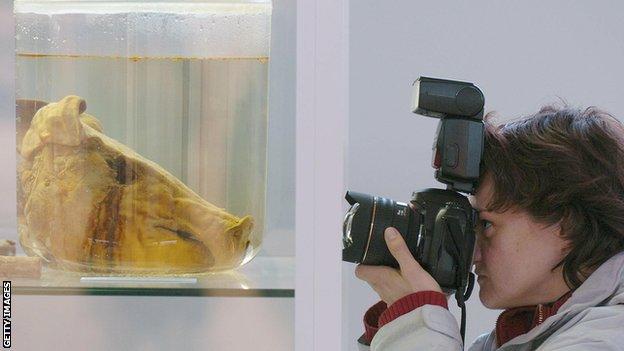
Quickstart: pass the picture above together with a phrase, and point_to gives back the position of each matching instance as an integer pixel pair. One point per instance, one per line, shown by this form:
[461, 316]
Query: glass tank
[141, 133]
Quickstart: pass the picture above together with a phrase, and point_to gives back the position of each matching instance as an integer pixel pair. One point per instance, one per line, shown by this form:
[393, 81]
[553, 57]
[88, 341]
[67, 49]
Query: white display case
[291, 291]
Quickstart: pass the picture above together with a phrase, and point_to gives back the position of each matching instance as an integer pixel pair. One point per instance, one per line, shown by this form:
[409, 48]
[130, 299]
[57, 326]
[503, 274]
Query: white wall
[522, 54]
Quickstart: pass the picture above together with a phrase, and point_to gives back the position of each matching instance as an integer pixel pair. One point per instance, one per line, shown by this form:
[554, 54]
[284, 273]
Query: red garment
[517, 321]
[379, 314]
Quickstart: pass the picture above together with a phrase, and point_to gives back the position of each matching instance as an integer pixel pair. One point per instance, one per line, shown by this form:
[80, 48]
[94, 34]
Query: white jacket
[591, 319]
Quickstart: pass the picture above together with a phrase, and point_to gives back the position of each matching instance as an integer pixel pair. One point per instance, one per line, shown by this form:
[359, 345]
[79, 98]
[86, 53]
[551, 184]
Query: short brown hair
[563, 165]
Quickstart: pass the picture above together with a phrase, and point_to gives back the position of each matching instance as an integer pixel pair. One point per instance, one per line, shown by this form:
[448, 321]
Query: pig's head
[92, 203]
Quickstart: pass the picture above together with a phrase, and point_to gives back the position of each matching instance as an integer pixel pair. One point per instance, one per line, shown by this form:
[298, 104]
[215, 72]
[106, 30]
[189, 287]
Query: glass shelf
[262, 277]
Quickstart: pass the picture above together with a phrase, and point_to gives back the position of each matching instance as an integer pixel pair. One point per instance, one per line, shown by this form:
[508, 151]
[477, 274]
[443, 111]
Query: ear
[565, 244]
[56, 123]
[75, 105]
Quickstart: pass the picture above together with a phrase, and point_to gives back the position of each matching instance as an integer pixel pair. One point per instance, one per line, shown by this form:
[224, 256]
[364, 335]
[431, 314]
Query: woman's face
[514, 256]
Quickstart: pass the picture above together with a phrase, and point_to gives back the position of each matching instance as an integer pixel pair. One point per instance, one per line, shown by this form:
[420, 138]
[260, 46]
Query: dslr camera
[437, 224]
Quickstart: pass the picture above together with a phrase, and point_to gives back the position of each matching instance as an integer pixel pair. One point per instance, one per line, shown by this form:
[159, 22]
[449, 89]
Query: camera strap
[463, 292]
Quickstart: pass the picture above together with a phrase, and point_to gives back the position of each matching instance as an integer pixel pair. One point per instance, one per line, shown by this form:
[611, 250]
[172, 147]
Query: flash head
[440, 98]
[458, 144]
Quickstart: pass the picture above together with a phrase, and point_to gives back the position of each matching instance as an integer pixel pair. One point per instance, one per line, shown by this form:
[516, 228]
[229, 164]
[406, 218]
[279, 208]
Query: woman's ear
[565, 244]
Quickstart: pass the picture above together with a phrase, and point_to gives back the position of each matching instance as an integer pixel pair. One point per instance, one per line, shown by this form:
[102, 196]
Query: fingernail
[390, 233]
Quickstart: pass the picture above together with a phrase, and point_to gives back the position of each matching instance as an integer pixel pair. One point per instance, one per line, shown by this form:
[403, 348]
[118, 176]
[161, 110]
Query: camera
[437, 224]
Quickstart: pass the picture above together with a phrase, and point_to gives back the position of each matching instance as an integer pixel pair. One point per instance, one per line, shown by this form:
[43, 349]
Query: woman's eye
[486, 224]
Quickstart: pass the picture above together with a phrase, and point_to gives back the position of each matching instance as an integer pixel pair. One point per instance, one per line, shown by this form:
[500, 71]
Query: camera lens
[364, 226]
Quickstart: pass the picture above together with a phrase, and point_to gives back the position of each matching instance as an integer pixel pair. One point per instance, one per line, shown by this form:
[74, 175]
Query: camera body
[438, 224]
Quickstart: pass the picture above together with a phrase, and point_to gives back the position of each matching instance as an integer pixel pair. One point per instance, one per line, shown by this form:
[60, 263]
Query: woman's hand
[392, 284]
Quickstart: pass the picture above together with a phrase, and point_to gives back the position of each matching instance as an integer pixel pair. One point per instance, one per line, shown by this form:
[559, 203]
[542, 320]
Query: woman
[549, 251]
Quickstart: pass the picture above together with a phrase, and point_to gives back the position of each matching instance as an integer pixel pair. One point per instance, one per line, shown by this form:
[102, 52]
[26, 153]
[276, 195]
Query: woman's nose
[476, 257]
